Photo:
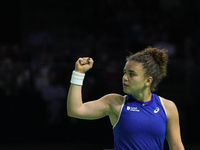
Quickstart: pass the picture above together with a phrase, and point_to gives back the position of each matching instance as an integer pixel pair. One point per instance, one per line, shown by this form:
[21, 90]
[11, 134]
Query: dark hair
[154, 62]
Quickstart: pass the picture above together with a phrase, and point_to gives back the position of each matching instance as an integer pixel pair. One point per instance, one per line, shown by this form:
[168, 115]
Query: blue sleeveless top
[141, 125]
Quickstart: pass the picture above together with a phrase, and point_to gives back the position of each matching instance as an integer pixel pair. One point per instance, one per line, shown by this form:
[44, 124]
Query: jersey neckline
[141, 103]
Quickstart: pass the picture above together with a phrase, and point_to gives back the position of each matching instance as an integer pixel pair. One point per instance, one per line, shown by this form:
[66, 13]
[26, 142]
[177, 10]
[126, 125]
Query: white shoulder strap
[162, 104]
[120, 110]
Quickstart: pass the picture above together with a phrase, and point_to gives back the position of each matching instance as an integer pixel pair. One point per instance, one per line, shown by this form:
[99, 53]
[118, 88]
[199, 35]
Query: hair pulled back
[154, 62]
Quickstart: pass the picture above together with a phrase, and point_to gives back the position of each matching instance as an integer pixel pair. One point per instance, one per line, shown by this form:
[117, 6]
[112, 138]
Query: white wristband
[77, 78]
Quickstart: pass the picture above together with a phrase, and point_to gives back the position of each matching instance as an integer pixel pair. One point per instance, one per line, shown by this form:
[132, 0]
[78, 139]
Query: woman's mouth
[125, 85]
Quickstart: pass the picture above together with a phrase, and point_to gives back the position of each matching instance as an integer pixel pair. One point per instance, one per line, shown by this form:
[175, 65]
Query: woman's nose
[125, 77]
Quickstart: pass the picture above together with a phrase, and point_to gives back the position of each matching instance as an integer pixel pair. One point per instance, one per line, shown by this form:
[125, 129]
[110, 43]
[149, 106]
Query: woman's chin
[126, 91]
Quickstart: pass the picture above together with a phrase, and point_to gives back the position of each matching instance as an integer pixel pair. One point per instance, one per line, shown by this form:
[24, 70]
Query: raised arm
[173, 135]
[75, 107]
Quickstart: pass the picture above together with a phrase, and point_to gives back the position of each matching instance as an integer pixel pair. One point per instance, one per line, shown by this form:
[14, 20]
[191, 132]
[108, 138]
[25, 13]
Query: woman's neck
[143, 96]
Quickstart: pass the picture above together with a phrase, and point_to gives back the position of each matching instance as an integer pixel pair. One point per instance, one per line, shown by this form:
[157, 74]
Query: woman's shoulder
[170, 106]
[167, 102]
[114, 98]
[115, 95]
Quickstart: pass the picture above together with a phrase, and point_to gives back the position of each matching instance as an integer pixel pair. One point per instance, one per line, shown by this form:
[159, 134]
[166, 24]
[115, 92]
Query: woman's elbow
[72, 114]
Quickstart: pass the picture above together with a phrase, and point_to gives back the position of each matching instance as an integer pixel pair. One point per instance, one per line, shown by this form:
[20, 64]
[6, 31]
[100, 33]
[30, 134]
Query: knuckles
[85, 60]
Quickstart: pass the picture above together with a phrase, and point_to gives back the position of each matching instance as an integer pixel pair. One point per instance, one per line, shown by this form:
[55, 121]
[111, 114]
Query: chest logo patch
[132, 108]
[156, 110]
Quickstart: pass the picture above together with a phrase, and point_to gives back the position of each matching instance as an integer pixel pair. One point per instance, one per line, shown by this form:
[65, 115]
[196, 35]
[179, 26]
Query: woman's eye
[131, 74]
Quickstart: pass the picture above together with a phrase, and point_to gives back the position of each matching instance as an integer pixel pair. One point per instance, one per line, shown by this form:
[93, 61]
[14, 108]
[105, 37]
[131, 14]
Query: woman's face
[134, 80]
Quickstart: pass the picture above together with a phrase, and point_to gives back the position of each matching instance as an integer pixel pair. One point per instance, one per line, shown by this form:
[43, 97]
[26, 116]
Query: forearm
[74, 99]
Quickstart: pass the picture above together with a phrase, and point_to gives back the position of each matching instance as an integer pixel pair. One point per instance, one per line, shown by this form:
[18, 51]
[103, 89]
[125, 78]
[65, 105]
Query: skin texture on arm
[94, 109]
[75, 106]
[173, 135]
[90, 110]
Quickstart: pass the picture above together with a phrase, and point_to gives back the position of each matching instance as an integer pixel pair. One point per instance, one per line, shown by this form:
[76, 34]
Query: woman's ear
[149, 81]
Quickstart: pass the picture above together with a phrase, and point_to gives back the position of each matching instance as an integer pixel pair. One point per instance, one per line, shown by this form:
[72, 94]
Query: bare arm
[173, 135]
[90, 110]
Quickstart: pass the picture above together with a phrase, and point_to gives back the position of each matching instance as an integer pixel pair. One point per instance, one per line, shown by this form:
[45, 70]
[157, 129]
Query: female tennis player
[141, 120]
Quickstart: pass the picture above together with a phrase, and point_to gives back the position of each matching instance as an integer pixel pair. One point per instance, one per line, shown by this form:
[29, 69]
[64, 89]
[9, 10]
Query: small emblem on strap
[156, 110]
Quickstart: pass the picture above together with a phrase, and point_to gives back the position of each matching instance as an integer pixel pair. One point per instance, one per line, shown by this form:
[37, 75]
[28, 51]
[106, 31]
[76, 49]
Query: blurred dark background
[40, 41]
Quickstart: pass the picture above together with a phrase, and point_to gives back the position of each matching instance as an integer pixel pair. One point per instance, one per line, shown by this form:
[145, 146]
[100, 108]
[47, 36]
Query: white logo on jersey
[132, 108]
[156, 110]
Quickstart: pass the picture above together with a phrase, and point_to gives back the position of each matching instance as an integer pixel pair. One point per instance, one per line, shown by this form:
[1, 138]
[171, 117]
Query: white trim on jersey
[120, 111]
[163, 105]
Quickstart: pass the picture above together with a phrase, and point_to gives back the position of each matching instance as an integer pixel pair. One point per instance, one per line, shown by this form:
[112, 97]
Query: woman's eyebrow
[132, 71]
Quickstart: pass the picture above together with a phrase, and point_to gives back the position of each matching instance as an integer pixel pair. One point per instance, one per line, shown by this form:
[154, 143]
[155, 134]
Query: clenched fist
[83, 64]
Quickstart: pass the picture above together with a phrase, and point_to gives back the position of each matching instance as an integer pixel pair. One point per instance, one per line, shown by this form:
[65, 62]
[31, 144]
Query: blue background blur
[40, 41]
